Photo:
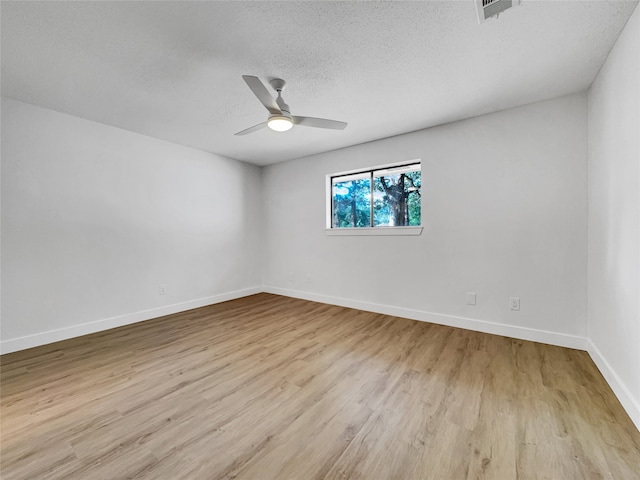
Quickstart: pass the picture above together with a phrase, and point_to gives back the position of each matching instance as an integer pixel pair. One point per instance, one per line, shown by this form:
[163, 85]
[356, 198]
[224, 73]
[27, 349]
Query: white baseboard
[522, 333]
[629, 403]
[29, 341]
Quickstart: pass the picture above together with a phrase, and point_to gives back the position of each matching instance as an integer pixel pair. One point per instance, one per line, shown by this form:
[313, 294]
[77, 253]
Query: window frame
[371, 230]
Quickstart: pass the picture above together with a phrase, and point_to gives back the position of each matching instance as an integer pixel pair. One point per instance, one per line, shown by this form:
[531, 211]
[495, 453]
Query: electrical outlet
[514, 303]
[307, 278]
[162, 290]
[471, 298]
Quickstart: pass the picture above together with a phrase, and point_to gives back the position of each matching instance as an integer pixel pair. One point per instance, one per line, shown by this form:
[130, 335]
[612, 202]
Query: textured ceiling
[172, 70]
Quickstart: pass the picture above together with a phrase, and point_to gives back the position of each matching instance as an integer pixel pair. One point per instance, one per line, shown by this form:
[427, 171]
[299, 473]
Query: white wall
[614, 218]
[505, 214]
[95, 218]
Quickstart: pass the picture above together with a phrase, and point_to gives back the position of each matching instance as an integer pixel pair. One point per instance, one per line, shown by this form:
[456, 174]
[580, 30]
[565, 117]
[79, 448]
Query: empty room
[303, 240]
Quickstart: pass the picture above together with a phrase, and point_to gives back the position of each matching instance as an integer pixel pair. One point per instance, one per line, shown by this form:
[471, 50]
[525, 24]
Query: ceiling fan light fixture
[279, 123]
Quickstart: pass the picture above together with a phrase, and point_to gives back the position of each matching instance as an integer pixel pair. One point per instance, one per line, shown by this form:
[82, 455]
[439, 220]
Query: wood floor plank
[269, 387]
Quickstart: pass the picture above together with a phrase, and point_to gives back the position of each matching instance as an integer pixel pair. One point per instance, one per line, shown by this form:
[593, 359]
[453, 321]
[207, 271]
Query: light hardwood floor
[269, 387]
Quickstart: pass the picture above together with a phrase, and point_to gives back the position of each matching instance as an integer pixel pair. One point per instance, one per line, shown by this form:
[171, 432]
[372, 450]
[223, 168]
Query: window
[380, 197]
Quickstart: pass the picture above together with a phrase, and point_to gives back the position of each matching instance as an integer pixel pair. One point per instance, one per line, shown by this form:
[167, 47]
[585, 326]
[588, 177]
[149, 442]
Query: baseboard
[29, 341]
[629, 403]
[522, 333]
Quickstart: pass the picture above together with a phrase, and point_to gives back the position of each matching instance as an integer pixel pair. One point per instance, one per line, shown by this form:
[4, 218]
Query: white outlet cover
[514, 303]
[471, 298]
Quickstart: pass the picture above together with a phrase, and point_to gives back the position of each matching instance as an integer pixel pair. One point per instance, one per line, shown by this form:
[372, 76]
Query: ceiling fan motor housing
[283, 106]
[278, 85]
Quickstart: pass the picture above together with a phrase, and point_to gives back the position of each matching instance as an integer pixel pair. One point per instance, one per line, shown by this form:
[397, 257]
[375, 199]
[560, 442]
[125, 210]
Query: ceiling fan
[280, 118]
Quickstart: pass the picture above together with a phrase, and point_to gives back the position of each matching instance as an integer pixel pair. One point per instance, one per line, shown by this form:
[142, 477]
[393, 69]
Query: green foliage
[351, 203]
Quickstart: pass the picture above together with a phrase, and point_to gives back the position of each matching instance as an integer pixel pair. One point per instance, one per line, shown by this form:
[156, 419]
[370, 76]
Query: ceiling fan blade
[319, 123]
[260, 91]
[255, 128]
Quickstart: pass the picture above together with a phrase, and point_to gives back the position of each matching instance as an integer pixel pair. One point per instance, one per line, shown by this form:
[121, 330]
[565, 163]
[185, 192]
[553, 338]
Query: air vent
[492, 8]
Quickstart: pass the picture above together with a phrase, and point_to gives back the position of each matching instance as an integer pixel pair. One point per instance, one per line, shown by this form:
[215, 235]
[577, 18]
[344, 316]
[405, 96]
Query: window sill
[374, 231]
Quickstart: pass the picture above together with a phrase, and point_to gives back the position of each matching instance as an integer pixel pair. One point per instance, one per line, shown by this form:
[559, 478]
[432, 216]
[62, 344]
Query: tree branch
[417, 189]
[384, 185]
